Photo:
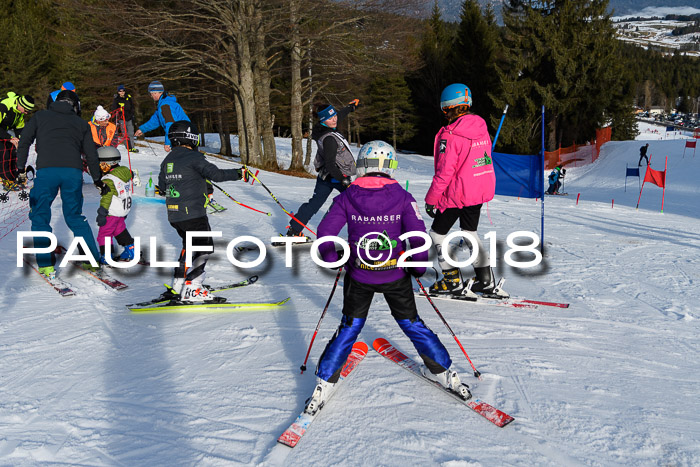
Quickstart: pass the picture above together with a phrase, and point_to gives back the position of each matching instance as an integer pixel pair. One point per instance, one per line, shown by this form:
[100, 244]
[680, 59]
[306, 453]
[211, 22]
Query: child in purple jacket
[375, 206]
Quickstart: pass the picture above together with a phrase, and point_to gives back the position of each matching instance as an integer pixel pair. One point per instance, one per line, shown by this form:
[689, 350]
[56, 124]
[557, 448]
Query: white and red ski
[296, 430]
[487, 411]
[103, 277]
[62, 287]
[506, 302]
[539, 302]
[100, 274]
[513, 302]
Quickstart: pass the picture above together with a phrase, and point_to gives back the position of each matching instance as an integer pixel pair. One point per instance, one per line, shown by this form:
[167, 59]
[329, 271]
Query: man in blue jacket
[167, 112]
[67, 86]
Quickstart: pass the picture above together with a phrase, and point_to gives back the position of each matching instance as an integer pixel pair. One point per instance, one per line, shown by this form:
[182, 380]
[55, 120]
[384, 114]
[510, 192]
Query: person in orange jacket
[103, 131]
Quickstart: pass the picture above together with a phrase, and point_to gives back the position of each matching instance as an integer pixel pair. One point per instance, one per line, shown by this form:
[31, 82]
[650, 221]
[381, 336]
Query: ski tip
[379, 343]
[289, 438]
[361, 347]
[280, 303]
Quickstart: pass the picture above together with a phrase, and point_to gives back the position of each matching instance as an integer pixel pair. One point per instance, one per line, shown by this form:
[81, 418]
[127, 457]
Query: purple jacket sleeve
[332, 223]
[411, 221]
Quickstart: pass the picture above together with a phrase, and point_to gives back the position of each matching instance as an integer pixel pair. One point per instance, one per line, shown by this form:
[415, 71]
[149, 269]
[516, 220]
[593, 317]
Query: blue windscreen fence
[518, 175]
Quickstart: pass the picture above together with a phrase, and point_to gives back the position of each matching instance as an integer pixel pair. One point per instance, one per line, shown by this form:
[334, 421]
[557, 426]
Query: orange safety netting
[578, 154]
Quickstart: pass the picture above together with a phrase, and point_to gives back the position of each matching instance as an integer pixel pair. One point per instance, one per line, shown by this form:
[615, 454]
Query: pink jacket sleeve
[446, 164]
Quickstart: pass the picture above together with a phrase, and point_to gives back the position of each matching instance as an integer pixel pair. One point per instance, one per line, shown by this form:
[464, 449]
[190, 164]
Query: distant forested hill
[451, 8]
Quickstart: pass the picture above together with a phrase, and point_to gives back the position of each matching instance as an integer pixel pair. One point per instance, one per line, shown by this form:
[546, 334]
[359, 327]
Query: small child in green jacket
[115, 204]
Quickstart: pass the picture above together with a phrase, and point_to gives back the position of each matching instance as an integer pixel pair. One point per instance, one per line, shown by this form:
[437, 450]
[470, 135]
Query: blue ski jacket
[167, 112]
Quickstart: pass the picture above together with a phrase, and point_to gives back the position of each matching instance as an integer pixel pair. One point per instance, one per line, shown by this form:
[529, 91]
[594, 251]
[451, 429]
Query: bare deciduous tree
[213, 43]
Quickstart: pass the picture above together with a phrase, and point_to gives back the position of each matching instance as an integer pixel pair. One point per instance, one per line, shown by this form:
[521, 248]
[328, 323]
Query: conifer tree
[562, 54]
[26, 54]
[391, 108]
[430, 79]
[474, 58]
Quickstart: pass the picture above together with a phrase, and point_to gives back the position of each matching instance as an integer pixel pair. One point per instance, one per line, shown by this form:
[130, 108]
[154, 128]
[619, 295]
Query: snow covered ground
[612, 380]
[656, 31]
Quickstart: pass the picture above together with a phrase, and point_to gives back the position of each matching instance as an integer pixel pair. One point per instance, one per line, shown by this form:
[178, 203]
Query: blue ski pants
[357, 300]
[322, 191]
[48, 182]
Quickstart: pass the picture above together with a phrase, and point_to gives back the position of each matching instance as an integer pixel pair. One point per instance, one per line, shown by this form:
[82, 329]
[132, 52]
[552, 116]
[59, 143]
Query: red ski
[487, 411]
[537, 302]
[102, 276]
[296, 430]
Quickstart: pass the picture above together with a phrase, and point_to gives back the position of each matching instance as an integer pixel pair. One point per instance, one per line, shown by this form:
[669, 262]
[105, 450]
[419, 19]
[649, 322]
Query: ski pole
[237, 202]
[476, 372]
[277, 201]
[503, 117]
[335, 284]
[150, 147]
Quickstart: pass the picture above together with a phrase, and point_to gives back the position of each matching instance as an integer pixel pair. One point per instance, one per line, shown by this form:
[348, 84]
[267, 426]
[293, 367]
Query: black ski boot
[485, 284]
[450, 284]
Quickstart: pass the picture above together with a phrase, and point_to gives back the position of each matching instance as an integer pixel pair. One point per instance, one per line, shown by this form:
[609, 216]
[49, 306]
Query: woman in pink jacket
[464, 179]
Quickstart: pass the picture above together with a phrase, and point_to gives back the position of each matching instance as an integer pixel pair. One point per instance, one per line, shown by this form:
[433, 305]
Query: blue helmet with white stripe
[376, 156]
[454, 95]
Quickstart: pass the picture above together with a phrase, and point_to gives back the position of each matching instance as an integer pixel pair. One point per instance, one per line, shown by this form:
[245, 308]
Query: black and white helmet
[71, 97]
[183, 133]
[109, 155]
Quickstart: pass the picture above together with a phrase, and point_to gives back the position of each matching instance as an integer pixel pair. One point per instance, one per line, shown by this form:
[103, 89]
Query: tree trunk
[393, 127]
[227, 139]
[647, 95]
[246, 100]
[249, 138]
[296, 110]
[309, 146]
[242, 134]
[263, 84]
[552, 136]
[224, 138]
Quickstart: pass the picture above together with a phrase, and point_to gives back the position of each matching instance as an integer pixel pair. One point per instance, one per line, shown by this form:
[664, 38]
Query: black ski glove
[416, 272]
[101, 187]
[354, 103]
[430, 209]
[159, 192]
[346, 181]
[101, 216]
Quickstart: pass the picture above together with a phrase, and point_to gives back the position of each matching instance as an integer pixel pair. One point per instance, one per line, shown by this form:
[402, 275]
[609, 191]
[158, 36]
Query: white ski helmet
[109, 154]
[376, 156]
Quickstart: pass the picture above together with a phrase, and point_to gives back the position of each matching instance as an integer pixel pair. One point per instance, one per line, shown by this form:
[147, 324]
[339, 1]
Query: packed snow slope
[611, 380]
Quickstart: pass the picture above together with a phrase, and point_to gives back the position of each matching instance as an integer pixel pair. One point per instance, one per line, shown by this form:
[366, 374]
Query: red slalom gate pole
[476, 372]
[579, 195]
[325, 309]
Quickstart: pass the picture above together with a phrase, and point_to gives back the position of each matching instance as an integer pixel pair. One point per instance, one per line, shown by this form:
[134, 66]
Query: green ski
[224, 307]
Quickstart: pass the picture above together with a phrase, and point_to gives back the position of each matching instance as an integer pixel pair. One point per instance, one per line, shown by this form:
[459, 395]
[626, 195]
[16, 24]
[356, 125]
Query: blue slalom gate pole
[503, 117]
